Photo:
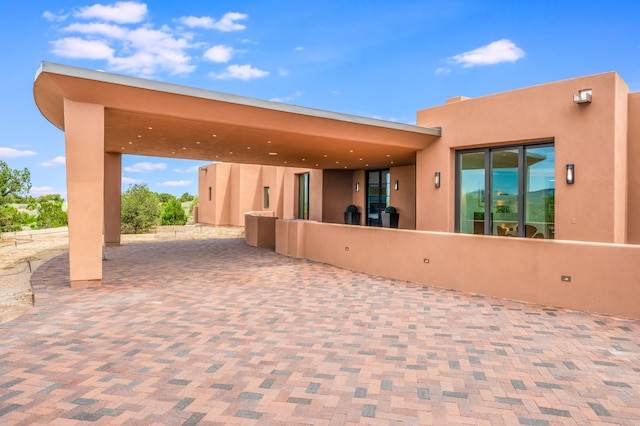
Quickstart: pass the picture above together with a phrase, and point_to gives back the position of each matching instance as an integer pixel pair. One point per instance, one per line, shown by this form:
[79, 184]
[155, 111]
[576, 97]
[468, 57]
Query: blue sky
[377, 59]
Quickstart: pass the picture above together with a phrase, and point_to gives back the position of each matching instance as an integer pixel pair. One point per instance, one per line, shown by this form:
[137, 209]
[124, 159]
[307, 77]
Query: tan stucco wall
[404, 199]
[112, 198]
[337, 191]
[591, 136]
[603, 276]
[633, 170]
[84, 139]
[260, 229]
[235, 190]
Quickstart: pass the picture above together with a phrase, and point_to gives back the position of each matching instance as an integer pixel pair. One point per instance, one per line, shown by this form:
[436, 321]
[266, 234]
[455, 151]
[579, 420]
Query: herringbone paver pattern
[217, 332]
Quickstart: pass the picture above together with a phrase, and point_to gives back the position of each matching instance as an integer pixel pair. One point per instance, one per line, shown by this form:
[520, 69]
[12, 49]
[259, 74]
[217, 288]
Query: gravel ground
[23, 252]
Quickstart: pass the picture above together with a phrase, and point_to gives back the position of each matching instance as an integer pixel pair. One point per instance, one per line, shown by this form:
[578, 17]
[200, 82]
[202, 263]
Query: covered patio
[106, 115]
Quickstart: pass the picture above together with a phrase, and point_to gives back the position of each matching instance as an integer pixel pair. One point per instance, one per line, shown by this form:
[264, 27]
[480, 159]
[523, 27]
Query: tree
[173, 213]
[13, 182]
[186, 197]
[50, 213]
[164, 197]
[140, 209]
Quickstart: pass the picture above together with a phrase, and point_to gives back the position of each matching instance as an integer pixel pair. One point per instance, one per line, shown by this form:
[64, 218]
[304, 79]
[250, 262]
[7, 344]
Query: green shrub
[173, 213]
[140, 210]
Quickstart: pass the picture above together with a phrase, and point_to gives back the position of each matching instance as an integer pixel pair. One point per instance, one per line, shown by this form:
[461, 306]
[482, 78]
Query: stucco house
[532, 194]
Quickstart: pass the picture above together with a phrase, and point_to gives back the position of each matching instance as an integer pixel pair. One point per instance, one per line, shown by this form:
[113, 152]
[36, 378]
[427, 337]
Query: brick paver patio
[217, 332]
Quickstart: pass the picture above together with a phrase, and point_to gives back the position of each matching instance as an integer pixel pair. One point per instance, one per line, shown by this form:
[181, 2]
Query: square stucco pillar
[84, 140]
[112, 198]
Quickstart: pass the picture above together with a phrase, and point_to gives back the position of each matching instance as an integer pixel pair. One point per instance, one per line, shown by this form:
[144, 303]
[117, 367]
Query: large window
[303, 196]
[378, 189]
[506, 191]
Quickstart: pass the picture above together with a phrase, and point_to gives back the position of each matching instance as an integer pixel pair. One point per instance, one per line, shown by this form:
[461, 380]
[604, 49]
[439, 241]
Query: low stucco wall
[604, 277]
[260, 229]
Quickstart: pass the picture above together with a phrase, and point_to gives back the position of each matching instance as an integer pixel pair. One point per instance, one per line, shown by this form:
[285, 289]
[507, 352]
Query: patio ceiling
[145, 117]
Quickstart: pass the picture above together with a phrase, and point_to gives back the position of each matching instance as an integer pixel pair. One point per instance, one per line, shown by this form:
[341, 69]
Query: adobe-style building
[530, 195]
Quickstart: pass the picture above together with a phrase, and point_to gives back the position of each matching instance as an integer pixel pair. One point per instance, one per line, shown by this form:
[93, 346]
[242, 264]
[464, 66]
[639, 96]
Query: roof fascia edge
[175, 89]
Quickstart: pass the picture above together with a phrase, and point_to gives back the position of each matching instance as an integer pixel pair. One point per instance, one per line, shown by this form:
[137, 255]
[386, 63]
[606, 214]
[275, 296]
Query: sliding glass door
[520, 199]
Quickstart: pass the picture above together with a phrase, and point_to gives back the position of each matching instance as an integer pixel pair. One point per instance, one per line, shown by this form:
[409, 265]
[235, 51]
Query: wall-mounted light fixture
[583, 97]
[357, 186]
[571, 175]
[395, 185]
[436, 180]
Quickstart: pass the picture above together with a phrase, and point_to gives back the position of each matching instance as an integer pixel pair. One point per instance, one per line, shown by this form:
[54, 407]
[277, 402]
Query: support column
[84, 140]
[112, 198]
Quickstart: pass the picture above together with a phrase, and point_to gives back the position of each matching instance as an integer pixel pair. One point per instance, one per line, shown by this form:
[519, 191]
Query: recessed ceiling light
[198, 142]
[248, 147]
[215, 136]
[173, 152]
[388, 155]
[361, 159]
[350, 150]
[337, 162]
[230, 152]
[325, 155]
[268, 141]
[139, 136]
[304, 159]
[150, 128]
[122, 148]
[273, 153]
[130, 143]
[392, 162]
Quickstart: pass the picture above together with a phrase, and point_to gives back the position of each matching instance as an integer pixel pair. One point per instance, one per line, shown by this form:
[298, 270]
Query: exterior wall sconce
[395, 185]
[357, 186]
[436, 180]
[571, 177]
[583, 97]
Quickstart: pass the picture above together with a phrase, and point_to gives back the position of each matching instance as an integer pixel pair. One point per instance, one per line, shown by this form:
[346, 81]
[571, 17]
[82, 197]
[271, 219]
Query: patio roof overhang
[145, 117]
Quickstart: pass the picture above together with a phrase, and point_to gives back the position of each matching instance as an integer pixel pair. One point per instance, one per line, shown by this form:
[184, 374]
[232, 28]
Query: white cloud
[442, 70]
[129, 181]
[219, 53]
[145, 167]
[50, 16]
[493, 53]
[226, 23]
[72, 47]
[58, 161]
[175, 183]
[42, 190]
[240, 72]
[283, 72]
[299, 48]
[15, 153]
[123, 12]
[192, 169]
[138, 49]
[109, 30]
[289, 98]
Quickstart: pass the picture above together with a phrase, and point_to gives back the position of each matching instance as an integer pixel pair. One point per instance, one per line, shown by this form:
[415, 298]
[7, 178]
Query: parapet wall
[592, 277]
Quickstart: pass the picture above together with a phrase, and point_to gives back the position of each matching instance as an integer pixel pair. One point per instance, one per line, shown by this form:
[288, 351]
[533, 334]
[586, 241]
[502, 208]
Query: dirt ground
[21, 253]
